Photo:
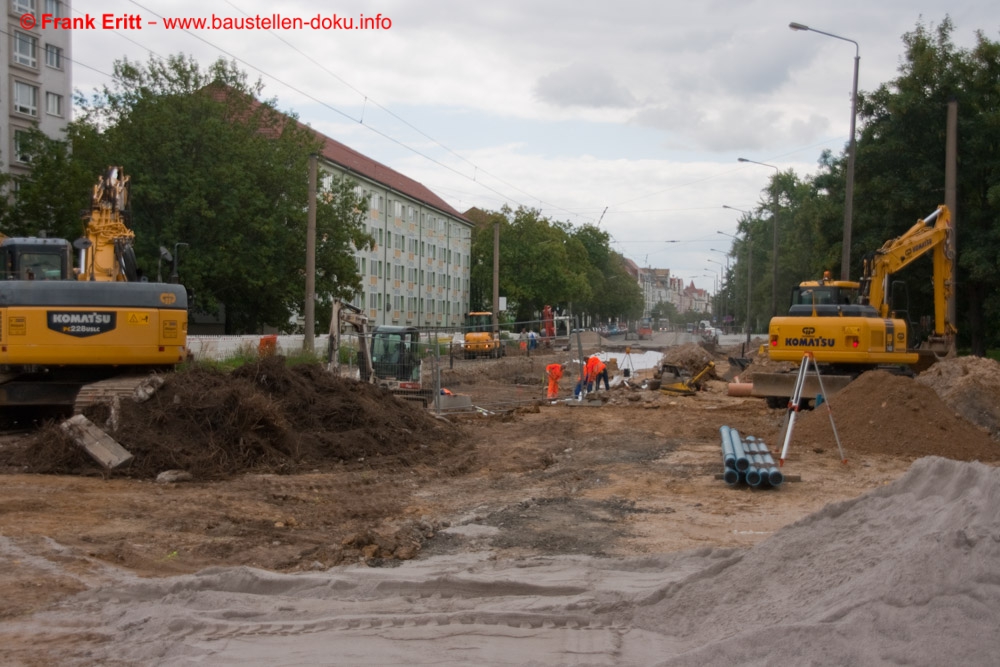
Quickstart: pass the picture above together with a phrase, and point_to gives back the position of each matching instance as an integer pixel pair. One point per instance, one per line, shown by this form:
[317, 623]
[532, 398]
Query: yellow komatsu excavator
[850, 327]
[62, 327]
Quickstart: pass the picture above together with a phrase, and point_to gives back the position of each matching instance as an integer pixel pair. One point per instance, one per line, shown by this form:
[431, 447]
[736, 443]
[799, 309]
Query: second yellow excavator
[850, 327]
[62, 327]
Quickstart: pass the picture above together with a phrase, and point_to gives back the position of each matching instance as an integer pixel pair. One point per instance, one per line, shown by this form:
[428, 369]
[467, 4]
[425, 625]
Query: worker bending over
[597, 370]
[555, 373]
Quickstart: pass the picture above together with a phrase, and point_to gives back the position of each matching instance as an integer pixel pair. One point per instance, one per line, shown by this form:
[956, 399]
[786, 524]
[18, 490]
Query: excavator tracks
[104, 391]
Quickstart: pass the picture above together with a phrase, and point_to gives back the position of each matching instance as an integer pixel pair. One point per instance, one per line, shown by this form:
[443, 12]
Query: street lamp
[749, 260]
[774, 222]
[852, 147]
[718, 282]
[725, 301]
[164, 255]
[173, 276]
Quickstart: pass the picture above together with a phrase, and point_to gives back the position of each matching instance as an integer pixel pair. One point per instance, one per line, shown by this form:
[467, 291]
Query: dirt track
[637, 475]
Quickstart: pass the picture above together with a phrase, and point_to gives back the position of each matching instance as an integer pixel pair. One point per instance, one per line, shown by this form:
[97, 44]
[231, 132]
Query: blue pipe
[774, 476]
[742, 462]
[728, 456]
[730, 476]
[747, 460]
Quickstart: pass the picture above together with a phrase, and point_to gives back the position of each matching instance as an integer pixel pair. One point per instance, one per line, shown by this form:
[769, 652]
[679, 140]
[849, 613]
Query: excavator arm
[928, 235]
[106, 247]
[352, 316]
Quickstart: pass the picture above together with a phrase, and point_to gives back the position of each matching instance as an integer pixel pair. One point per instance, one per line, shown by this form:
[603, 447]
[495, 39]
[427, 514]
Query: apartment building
[37, 72]
[418, 272]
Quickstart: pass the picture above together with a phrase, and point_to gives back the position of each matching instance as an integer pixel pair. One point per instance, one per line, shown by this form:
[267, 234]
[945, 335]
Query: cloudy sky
[631, 114]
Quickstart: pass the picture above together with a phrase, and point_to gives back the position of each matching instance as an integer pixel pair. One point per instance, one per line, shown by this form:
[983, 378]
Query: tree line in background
[221, 170]
[213, 167]
[899, 178]
[545, 262]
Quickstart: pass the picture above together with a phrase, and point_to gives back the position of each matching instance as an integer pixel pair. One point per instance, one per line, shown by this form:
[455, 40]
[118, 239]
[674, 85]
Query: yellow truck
[479, 339]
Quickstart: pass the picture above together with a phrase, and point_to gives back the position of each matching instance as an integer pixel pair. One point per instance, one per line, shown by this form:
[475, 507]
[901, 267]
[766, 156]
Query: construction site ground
[268, 475]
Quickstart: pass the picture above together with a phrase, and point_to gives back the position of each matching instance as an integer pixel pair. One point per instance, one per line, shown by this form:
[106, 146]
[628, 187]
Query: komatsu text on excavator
[850, 327]
[62, 327]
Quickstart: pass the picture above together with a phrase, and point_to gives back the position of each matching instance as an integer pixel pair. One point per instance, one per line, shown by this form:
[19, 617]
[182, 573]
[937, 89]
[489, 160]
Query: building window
[54, 7]
[53, 104]
[23, 6]
[20, 137]
[53, 56]
[24, 49]
[25, 98]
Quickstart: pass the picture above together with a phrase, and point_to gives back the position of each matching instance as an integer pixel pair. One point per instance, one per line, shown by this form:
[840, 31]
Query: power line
[380, 133]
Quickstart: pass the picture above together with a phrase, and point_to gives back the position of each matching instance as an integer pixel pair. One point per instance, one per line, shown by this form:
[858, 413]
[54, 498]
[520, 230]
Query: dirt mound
[743, 350]
[883, 413]
[970, 386]
[262, 417]
[761, 363]
[692, 357]
[506, 371]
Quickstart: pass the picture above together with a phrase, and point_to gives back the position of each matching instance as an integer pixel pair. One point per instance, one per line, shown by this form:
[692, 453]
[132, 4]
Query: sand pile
[970, 386]
[263, 417]
[883, 413]
[906, 574]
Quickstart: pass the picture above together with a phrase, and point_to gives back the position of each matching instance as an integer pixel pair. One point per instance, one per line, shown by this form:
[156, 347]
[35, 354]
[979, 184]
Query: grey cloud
[583, 85]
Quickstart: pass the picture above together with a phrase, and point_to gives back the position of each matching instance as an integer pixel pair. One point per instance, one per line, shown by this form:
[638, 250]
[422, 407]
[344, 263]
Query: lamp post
[164, 255]
[718, 284]
[173, 276]
[845, 260]
[749, 260]
[725, 300]
[774, 222]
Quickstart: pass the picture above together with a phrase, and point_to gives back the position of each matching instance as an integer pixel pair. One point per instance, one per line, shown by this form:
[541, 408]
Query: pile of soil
[263, 417]
[511, 370]
[762, 363]
[970, 386]
[692, 357]
[743, 350]
[885, 413]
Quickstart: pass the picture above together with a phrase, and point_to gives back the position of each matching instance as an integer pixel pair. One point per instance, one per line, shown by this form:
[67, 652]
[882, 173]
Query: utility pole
[308, 342]
[496, 279]
[951, 201]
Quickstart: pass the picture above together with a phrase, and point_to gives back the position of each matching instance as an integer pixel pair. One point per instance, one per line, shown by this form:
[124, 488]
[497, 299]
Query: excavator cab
[395, 353]
[35, 259]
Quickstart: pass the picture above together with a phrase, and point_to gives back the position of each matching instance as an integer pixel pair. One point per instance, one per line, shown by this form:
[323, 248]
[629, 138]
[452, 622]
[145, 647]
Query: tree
[50, 198]
[214, 167]
[539, 263]
[901, 158]
[613, 292]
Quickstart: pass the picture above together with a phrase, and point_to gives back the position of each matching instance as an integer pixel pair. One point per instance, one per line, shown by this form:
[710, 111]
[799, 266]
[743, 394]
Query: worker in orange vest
[555, 373]
[594, 372]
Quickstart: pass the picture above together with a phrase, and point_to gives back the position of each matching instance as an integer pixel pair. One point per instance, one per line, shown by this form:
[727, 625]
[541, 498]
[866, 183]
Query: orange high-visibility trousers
[554, 372]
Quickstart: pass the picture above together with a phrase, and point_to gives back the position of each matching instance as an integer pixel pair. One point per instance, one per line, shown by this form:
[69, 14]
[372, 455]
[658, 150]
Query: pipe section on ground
[747, 461]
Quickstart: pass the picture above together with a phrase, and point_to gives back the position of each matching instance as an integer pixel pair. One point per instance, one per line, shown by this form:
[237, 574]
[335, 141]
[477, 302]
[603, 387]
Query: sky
[629, 115]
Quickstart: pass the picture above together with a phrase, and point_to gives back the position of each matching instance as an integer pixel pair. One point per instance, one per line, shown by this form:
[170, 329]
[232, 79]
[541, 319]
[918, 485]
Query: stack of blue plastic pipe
[747, 461]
